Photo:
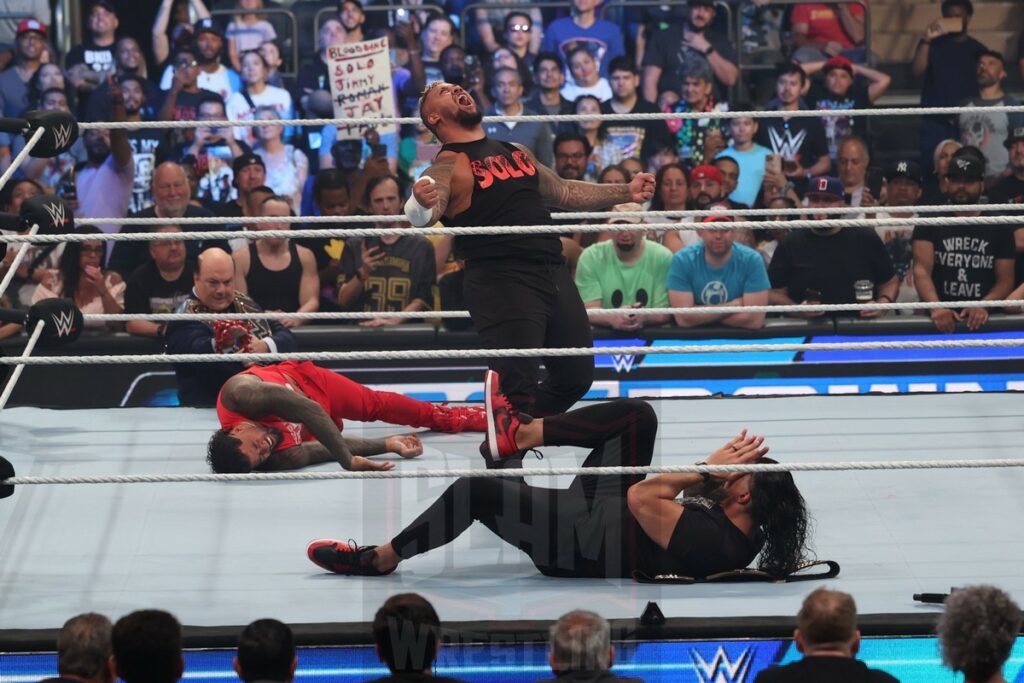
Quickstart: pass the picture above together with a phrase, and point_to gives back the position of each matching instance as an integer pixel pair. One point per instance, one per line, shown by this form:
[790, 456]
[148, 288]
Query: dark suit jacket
[199, 383]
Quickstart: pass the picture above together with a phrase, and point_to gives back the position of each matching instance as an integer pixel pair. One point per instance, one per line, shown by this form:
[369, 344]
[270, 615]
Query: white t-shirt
[601, 91]
[239, 109]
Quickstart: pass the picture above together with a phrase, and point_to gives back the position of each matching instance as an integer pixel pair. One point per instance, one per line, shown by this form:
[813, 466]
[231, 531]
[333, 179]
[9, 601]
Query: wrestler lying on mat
[289, 415]
[607, 526]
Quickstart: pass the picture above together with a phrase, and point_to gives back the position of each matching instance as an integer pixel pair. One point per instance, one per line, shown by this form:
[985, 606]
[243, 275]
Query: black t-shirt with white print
[148, 292]
[96, 57]
[965, 256]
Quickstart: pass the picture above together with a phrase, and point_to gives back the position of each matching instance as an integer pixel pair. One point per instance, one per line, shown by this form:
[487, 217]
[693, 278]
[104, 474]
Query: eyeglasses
[523, 28]
[185, 63]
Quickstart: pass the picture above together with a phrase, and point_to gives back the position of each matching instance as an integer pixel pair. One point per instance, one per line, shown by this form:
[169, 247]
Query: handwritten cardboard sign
[361, 85]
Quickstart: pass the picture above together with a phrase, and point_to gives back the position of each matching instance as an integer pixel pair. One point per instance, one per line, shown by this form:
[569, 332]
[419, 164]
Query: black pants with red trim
[585, 530]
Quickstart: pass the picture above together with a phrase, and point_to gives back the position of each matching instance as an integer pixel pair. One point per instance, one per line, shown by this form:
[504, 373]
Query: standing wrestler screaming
[517, 287]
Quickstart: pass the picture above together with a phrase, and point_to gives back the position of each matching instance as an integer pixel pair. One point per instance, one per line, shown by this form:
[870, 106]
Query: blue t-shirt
[743, 273]
[751, 163]
[603, 40]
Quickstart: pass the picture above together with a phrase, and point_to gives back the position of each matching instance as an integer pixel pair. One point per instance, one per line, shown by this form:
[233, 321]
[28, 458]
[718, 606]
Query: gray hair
[580, 641]
[83, 645]
[977, 631]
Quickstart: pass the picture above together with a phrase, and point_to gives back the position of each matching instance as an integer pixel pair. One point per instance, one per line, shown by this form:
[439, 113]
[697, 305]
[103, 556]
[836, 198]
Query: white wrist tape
[419, 215]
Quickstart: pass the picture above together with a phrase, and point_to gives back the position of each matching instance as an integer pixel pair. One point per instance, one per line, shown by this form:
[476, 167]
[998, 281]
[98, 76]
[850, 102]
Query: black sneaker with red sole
[502, 422]
[343, 558]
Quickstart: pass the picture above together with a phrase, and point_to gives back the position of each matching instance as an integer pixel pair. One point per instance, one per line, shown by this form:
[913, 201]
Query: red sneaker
[502, 424]
[343, 558]
[455, 419]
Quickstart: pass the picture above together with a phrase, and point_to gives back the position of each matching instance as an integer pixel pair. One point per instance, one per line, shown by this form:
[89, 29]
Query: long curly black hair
[780, 512]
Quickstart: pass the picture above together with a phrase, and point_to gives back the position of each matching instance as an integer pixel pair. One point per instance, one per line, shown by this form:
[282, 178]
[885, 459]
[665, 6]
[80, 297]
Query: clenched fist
[425, 192]
[642, 187]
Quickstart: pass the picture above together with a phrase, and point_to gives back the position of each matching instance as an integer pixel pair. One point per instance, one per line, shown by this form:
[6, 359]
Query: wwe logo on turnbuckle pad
[56, 212]
[721, 669]
[61, 135]
[64, 322]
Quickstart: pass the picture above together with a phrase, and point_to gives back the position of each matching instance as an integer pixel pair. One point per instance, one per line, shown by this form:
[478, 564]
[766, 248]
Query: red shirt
[295, 375]
[823, 23]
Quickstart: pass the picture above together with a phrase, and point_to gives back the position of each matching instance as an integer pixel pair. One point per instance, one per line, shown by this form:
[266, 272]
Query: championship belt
[226, 338]
[740, 575]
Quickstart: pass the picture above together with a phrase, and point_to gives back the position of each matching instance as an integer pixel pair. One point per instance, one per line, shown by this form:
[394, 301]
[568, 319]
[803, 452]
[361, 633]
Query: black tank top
[505, 192]
[275, 290]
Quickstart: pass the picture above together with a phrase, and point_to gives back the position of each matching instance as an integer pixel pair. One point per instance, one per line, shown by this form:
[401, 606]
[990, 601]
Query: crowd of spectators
[517, 61]
[976, 634]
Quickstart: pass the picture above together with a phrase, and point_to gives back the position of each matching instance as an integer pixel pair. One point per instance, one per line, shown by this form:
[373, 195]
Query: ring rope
[30, 144]
[443, 354]
[37, 332]
[565, 118]
[825, 224]
[692, 310]
[568, 215]
[19, 256]
[496, 473]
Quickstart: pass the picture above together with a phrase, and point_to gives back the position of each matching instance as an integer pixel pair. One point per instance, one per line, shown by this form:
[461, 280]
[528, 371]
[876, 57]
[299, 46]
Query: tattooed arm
[314, 453]
[576, 195]
[255, 399]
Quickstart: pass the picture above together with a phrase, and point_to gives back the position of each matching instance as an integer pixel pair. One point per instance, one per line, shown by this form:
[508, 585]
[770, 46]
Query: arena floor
[225, 554]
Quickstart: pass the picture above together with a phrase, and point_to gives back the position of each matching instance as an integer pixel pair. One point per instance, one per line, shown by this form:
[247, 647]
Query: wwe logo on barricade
[56, 211]
[721, 669]
[64, 322]
[61, 135]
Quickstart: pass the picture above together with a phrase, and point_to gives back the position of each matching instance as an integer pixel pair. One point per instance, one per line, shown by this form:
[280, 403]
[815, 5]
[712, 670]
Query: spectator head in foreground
[580, 641]
[266, 651]
[827, 624]
[977, 632]
[146, 647]
[83, 649]
[407, 633]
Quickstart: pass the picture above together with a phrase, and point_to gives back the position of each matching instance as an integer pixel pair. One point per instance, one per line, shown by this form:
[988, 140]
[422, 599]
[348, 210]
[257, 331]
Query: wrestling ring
[910, 494]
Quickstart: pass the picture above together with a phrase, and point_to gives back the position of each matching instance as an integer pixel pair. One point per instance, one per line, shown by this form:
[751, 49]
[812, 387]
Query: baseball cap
[628, 206]
[1016, 135]
[702, 3]
[904, 168]
[827, 186]
[207, 25]
[104, 4]
[838, 62]
[965, 167]
[29, 25]
[706, 172]
[247, 159]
